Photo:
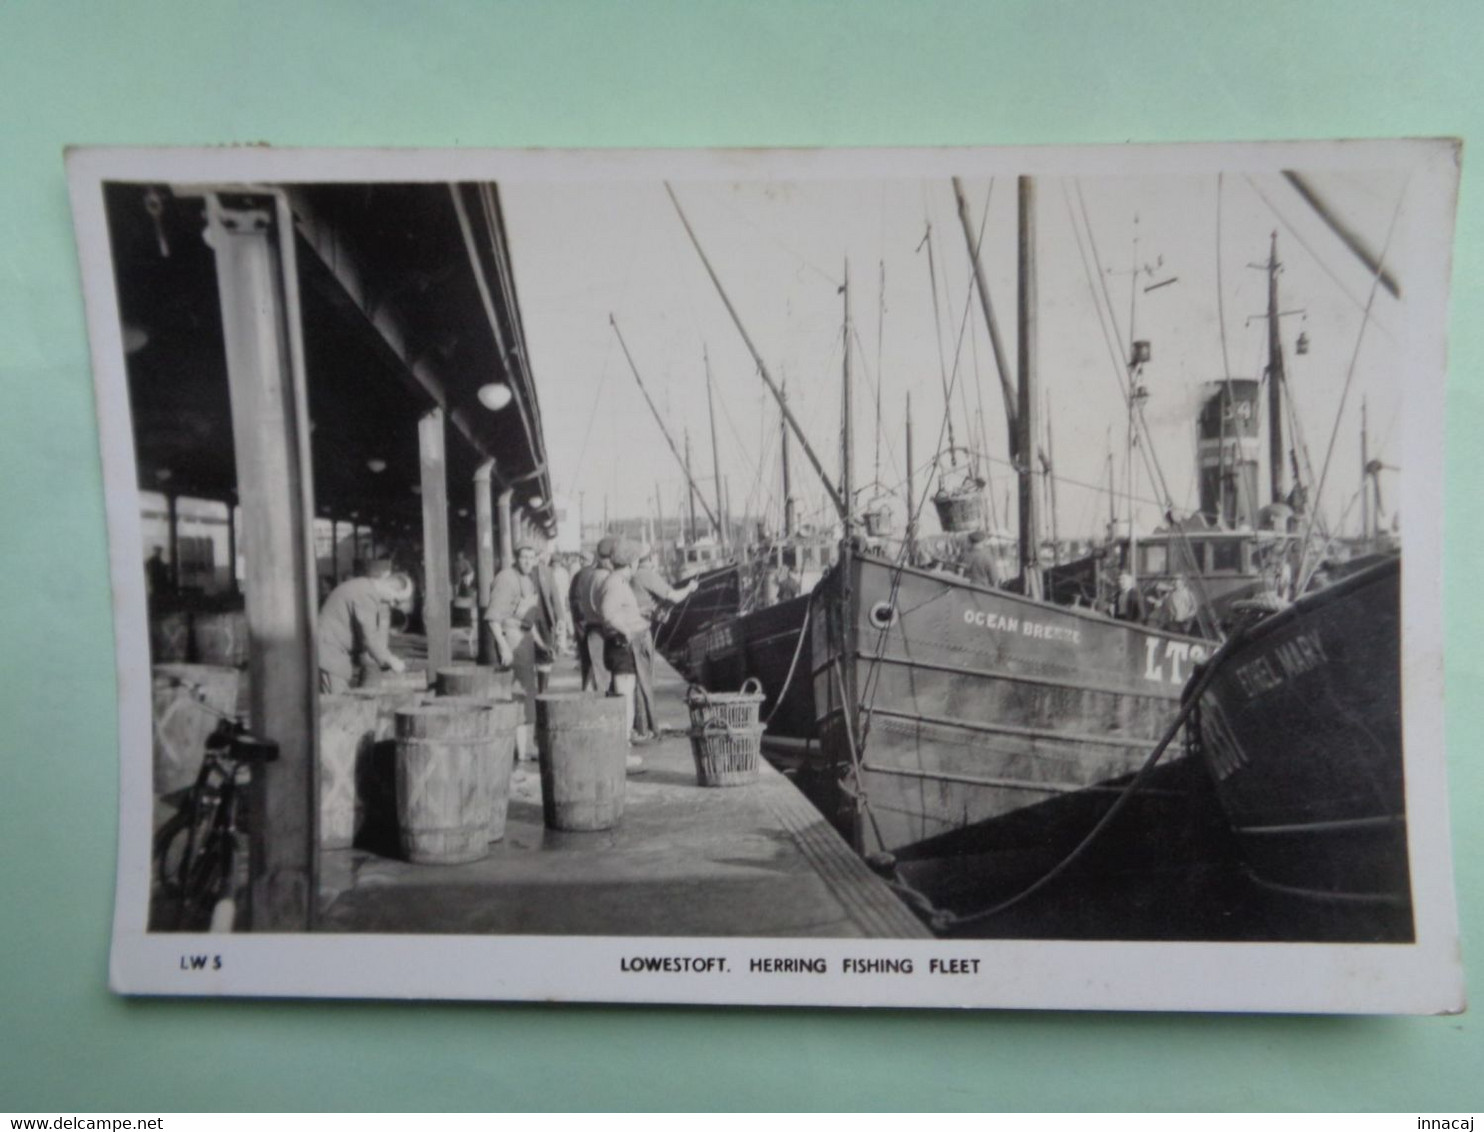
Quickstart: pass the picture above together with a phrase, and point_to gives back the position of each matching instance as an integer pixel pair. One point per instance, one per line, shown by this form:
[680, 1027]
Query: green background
[638, 74]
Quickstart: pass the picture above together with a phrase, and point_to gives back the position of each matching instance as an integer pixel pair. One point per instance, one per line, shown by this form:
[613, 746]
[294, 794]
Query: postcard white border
[1423, 977]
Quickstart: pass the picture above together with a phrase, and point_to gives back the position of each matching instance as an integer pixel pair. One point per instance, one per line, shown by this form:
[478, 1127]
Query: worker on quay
[1180, 607]
[623, 625]
[653, 595]
[157, 573]
[513, 616]
[1128, 605]
[980, 566]
[587, 586]
[355, 628]
[788, 583]
[561, 577]
[551, 609]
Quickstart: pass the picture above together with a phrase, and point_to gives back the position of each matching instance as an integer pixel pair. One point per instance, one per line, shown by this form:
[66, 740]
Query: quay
[685, 860]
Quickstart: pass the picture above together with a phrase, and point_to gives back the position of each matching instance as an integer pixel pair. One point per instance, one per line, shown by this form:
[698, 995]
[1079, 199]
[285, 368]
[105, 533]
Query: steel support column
[507, 536]
[257, 278]
[484, 568]
[436, 590]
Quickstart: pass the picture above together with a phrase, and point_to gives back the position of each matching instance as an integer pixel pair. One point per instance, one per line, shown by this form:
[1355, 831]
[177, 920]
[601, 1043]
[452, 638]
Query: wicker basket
[726, 755]
[878, 521]
[732, 709]
[957, 511]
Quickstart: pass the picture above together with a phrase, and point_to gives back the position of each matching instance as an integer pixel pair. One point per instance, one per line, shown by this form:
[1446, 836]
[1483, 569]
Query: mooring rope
[941, 920]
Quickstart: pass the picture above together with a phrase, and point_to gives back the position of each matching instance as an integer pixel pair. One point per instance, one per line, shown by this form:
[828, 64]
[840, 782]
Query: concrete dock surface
[685, 860]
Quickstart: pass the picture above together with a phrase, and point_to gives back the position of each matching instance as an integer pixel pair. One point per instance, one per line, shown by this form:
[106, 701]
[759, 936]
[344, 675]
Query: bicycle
[200, 853]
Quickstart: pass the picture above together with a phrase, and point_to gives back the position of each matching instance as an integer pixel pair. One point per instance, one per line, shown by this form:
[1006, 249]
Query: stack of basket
[725, 735]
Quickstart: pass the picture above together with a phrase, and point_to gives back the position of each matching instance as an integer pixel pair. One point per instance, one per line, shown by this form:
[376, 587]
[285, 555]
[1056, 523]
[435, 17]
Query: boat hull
[718, 597]
[1300, 729]
[762, 645]
[975, 703]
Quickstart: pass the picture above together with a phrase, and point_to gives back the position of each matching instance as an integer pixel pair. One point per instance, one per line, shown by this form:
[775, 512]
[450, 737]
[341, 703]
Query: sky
[587, 250]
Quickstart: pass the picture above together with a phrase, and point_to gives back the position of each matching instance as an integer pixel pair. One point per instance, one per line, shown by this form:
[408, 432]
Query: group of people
[606, 610]
[1172, 606]
[613, 600]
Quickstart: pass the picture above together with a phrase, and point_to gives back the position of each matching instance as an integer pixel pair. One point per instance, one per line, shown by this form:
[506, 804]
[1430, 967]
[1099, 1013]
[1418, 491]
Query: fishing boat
[944, 705]
[1299, 723]
[940, 704]
[1300, 728]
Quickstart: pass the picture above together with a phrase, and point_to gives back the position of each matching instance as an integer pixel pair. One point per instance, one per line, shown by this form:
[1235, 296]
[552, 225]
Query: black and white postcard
[930, 578]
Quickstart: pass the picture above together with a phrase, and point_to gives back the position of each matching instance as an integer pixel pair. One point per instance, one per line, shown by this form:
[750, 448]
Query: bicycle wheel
[170, 850]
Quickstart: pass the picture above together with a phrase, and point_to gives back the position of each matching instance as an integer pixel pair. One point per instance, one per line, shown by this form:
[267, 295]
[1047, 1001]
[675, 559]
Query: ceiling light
[376, 464]
[495, 396]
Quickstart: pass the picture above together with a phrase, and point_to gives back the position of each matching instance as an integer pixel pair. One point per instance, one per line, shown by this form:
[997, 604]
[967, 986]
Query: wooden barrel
[481, 680]
[347, 730]
[583, 743]
[376, 770]
[220, 638]
[170, 637]
[443, 781]
[189, 701]
[507, 717]
[413, 680]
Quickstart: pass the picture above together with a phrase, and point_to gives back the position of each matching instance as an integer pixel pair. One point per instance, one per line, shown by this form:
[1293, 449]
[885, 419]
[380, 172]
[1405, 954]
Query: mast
[762, 367]
[693, 492]
[788, 495]
[726, 510]
[721, 531]
[1049, 466]
[847, 433]
[1007, 388]
[1030, 539]
[1365, 486]
[1275, 380]
[683, 461]
[911, 489]
[659, 510]
[880, 324]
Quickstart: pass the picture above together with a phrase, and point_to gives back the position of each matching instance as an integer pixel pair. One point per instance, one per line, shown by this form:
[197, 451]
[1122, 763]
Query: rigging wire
[1146, 449]
[1307, 572]
[1298, 237]
[963, 394]
[773, 238]
[927, 241]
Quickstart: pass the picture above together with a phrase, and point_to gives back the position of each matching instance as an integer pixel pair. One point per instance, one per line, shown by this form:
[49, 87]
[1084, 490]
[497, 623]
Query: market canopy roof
[408, 302]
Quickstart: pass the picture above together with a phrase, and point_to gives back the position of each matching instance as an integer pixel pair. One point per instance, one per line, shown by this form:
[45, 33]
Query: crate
[726, 755]
[732, 709]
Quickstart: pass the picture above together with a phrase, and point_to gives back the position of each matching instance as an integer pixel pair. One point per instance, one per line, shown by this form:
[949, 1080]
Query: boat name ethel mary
[1302, 653]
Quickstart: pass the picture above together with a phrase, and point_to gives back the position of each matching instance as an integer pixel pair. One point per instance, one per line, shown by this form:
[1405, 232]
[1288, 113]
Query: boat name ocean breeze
[1040, 630]
[1165, 661]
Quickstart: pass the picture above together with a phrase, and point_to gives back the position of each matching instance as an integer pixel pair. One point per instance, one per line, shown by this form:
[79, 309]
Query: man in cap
[651, 594]
[514, 616]
[354, 628]
[588, 621]
[1128, 605]
[623, 624]
[980, 566]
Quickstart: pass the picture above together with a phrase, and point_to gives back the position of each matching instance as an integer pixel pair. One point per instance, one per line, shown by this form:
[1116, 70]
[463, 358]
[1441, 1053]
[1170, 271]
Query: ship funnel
[1228, 451]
